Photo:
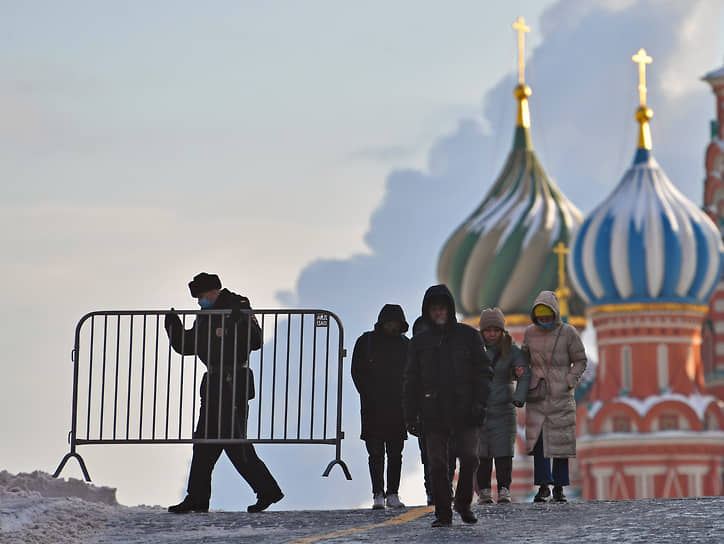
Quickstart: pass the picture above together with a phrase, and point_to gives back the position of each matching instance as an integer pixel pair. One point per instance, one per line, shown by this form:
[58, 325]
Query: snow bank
[37, 508]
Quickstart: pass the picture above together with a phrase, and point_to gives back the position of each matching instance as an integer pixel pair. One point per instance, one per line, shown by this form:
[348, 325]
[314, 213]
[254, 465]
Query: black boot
[543, 495]
[558, 495]
[262, 503]
[442, 523]
[188, 505]
[467, 516]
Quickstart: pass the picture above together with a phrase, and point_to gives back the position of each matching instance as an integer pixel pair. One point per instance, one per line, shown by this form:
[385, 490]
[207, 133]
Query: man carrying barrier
[223, 345]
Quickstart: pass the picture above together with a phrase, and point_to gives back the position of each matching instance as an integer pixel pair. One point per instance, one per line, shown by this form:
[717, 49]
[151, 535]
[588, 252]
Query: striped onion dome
[646, 242]
[502, 254]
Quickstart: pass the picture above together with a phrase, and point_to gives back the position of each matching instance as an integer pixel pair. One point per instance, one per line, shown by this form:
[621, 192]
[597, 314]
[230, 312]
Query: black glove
[235, 315]
[478, 414]
[172, 320]
[413, 429]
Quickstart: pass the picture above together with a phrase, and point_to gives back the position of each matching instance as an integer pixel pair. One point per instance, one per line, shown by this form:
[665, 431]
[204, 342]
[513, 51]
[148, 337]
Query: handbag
[540, 390]
[537, 393]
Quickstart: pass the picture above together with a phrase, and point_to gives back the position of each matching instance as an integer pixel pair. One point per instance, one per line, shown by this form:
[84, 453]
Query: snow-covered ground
[37, 508]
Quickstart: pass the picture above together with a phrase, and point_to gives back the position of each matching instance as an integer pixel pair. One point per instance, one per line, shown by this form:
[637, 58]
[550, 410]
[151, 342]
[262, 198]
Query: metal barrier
[131, 386]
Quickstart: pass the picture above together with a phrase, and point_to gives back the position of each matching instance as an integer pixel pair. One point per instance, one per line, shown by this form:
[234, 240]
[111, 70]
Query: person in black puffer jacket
[445, 392]
[378, 361]
[223, 345]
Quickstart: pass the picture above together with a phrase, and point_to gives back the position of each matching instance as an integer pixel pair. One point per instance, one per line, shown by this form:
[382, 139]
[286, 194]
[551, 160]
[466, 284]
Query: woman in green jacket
[497, 437]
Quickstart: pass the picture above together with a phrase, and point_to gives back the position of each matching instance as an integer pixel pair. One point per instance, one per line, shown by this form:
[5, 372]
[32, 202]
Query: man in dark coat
[228, 382]
[378, 361]
[445, 392]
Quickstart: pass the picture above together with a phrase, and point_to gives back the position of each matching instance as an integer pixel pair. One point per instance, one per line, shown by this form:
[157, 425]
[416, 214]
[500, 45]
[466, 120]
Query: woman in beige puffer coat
[556, 355]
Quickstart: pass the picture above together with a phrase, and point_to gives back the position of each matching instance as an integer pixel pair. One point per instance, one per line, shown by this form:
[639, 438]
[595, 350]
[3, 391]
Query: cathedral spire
[522, 91]
[643, 113]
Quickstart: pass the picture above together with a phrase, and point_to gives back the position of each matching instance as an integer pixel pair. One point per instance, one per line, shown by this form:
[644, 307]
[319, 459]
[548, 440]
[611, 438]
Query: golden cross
[522, 28]
[642, 59]
[561, 250]
[563, 292]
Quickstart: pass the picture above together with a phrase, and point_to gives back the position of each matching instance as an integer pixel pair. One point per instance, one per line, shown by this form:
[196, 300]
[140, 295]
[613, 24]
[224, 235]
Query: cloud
[584, 96]
[388, 153]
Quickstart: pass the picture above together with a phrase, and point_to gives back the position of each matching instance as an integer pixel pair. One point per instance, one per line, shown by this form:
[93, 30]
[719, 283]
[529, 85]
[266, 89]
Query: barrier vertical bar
[301, 376]
[326, 382]
[286, 391]
[208, 377]
[261, 376]
[221, 377]
[130, 361]
[90, 378]
[103, 378]
[196, 367]
[274, 376]
[314, 376]
[143, 378]
[155, 381]
[168, 388]
[247, 373]
[181, 385]
[233, 381]
[115, 387]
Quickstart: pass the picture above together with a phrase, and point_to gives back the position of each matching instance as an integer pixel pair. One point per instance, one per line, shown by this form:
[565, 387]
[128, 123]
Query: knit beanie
[492, 317]
[204, 282]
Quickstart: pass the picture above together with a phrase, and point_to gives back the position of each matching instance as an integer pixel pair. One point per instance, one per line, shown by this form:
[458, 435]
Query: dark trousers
[542, 467]
[503, 472]
[376, 449]
[437, 454]
[452, 461]
[242, 456]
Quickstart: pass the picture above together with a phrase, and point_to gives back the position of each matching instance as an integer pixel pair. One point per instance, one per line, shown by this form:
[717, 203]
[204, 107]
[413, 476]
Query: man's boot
[188, 505]
[262, 503]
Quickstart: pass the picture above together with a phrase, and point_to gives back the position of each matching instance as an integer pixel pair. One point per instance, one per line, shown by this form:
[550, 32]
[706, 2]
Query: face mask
[205, 304]
[545, 325]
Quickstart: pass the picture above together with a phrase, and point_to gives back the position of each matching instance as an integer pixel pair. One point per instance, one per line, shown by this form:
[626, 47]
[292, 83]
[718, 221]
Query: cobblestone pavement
[649, 520]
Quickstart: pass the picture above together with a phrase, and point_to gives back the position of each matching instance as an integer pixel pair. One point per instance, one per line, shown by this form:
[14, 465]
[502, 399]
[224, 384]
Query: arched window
[626, 370]
[662, 361]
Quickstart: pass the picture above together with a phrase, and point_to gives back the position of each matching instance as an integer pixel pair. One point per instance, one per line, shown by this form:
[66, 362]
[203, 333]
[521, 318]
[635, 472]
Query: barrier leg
[341, 464]
[80, 462]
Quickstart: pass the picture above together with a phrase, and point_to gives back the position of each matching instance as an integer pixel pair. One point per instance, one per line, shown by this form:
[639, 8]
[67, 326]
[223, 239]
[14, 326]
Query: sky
[312, 154]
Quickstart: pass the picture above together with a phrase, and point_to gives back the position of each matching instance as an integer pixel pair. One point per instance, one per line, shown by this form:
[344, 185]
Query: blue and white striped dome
[646, 243]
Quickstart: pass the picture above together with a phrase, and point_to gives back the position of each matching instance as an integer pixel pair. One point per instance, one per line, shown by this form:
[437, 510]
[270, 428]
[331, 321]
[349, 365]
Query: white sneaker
[378, 501]
[504, 495]
[485, 496]
[393, 501]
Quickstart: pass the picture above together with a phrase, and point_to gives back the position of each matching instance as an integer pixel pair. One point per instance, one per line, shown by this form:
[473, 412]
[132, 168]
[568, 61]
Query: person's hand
[172, 320]
[572, 381]
[517, 404]
[519, 371]
[413, 429]
[235, 315]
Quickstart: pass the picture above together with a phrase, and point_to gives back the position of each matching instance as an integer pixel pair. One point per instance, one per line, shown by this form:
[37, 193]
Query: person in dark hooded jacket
[445, 392]
[417, 327]
[378, 361]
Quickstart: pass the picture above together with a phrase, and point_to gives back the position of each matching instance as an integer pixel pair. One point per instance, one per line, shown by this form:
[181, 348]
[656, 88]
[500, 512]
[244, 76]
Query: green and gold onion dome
[503, 253]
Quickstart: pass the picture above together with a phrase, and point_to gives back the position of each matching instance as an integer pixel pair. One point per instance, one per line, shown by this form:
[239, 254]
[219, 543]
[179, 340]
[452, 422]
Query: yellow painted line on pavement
[404, 518]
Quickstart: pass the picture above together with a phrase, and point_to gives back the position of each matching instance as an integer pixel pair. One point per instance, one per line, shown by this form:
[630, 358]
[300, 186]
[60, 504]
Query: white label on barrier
[321, 320]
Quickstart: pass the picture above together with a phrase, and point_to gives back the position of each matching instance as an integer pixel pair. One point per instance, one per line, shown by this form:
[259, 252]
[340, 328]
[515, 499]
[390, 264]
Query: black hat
[204, 282]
